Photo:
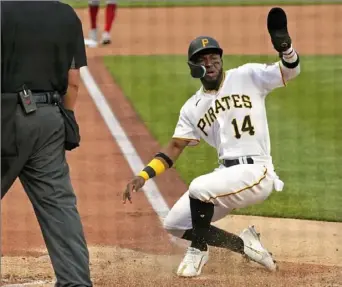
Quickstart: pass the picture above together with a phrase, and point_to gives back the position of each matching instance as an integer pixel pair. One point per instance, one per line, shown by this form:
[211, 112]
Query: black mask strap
[197, 71]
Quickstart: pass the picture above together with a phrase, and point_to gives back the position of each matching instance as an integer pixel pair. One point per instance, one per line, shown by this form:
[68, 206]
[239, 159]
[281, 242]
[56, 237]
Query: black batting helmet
[203, 43]
[197, 46]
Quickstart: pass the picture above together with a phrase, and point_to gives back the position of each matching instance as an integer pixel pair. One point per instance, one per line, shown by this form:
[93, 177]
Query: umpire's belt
[46, 98]
[41, 97]
[241, 160]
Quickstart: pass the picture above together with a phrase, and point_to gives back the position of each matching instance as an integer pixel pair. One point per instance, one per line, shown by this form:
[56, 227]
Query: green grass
[304, 121]
[189, 3]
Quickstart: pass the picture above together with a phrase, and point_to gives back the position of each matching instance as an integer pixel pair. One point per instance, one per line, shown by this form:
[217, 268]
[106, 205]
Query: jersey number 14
[245, 127]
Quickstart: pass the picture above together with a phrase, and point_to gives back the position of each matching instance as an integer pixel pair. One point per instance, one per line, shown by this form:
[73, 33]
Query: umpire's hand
[133, 186]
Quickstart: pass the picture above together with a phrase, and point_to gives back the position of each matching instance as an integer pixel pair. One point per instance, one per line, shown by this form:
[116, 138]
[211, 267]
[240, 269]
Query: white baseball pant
[229, 188]
[97, 2]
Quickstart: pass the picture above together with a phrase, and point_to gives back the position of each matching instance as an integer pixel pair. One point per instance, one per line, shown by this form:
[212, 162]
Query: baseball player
[111, 7]
[228, 112]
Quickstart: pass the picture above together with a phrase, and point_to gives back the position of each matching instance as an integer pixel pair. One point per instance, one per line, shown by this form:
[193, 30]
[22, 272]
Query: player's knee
[197, 189]
[111, 1]
[169, 222]
[169, 226]
[175, 232]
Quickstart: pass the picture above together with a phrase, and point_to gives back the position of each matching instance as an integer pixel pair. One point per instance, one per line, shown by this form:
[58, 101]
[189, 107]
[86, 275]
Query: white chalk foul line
[151, 190]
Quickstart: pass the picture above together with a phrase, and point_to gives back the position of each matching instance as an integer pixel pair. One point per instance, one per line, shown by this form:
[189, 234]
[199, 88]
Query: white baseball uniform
[234, 122]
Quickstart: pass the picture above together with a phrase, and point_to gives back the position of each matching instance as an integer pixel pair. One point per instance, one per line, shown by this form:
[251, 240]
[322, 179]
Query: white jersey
[234, 119]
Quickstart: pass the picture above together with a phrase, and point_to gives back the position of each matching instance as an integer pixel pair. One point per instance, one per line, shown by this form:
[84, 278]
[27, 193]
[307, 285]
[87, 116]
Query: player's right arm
[174, 149]
[185, 134]
[268, 77]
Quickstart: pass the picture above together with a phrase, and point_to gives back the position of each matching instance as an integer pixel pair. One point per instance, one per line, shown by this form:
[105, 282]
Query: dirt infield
[127, 244]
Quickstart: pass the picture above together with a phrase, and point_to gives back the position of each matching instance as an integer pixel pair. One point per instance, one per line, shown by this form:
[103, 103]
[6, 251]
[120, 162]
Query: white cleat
[193, 262]
[91, 42]
[93, 34]
[255, 251]
[106, 38]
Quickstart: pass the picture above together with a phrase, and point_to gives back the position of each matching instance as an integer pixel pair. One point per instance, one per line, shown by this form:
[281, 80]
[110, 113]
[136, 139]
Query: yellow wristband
[144, 175]
[157, 165]
[154, 168]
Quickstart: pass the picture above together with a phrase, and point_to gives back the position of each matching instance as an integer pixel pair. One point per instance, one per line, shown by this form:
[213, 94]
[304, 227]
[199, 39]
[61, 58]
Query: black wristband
[290, 65]
[165, 157]
[150, 171]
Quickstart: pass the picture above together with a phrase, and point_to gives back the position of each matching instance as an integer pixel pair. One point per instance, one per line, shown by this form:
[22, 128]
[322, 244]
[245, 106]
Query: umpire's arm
[79, 60]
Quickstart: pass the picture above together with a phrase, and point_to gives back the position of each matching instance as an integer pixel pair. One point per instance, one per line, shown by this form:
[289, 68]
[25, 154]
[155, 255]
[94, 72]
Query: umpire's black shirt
[40, 41]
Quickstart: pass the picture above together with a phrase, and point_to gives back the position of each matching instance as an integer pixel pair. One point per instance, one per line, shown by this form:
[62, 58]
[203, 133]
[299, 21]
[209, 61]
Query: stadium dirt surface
[128, 247]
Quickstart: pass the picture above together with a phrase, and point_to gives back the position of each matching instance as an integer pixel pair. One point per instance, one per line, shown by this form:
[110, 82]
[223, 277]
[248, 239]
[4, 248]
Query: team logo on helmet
[205, 42]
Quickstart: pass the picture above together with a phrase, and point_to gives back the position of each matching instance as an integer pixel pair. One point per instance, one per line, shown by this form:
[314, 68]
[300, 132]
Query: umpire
[42, 50]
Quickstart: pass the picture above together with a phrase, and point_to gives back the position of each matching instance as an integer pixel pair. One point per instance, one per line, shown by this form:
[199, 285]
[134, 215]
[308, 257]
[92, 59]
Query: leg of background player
[109, 20]
[93, 12]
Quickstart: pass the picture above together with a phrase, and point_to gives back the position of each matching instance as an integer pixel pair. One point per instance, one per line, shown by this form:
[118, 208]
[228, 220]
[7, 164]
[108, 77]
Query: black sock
[220, 238]
[201, 214]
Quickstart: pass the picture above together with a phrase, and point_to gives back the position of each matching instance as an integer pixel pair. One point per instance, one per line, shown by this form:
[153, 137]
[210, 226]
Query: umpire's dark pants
[44, 174]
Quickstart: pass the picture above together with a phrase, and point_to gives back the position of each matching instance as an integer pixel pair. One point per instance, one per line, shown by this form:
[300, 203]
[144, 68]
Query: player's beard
[213, 84]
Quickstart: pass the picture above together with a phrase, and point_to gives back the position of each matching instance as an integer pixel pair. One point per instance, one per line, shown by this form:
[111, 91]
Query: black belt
[41, 97]
[46, 98]
[243, 160]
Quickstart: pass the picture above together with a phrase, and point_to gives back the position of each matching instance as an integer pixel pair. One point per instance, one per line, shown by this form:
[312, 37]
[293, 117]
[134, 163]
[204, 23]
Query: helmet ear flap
[197, 71]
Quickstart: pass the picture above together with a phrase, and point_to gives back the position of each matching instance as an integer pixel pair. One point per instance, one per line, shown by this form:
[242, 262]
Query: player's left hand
[277, 28]
[133, 186]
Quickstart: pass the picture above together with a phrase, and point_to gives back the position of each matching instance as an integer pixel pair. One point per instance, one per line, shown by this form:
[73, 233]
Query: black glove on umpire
[277, 28]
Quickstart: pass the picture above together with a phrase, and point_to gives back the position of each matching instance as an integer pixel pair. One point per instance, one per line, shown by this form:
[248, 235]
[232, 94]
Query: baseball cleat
[106, 38]
[93, 34]
[255, 251]
[91, 42]
[193, 262]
